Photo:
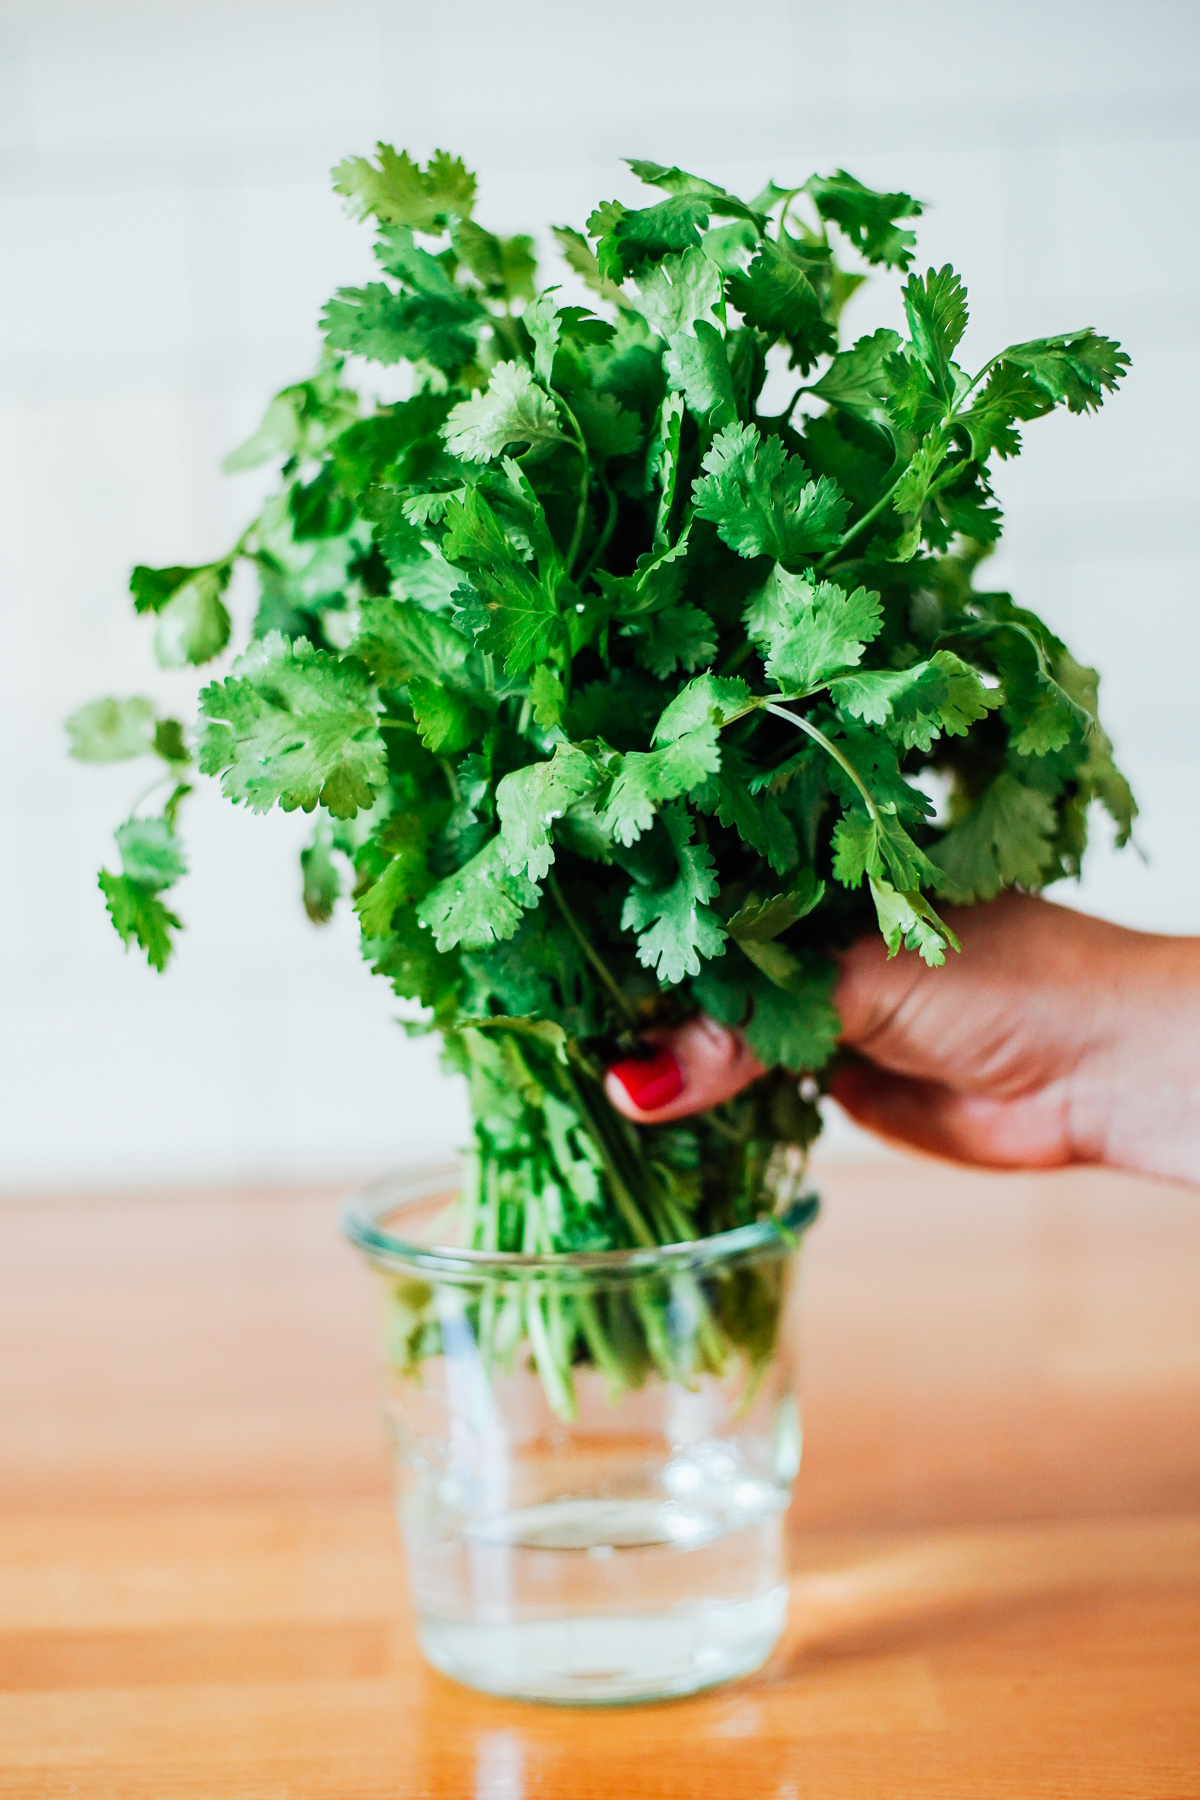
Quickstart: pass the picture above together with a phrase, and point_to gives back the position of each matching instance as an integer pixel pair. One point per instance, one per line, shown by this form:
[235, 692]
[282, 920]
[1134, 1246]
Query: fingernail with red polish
[651, 1081]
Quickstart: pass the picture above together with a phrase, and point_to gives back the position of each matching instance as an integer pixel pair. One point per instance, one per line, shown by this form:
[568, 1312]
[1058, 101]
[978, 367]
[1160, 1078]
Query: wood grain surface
[996, 1534]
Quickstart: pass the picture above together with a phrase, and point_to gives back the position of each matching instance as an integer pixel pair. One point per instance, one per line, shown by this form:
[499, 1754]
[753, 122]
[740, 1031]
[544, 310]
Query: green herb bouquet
[616, 696]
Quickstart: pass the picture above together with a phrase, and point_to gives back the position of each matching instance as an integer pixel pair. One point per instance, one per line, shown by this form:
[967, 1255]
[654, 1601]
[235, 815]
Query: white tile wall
[168, 238]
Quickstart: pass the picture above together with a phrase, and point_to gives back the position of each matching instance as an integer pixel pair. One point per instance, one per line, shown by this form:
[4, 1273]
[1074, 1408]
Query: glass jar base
[610, 1660]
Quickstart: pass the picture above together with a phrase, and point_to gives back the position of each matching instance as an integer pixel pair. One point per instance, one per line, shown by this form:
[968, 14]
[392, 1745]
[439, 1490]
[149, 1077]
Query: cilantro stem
[593, 956]
[832, 555]
[451, 779]
[738, 657]
[159, 781]
[584, 484]
[606, 1127]
[803, 724]
[609, 526]
[953, 408]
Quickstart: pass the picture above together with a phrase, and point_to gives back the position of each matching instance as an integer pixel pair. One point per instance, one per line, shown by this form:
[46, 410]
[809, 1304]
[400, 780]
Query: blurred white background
[169, 237]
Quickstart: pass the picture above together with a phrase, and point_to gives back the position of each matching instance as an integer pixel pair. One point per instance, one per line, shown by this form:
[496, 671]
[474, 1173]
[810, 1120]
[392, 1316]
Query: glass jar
[593, 1453]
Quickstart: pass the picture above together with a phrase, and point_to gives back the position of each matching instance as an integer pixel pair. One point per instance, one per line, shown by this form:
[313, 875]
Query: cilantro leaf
[138, 914]
[867, 218]
[857, 380]
[881, 849]
[758, 921]
[435, 327]
[791, 1023]
[913, 405]
[515, 613]
[193, 624]
[697, 367]
[775, 296]
[542, 322]
[401, 642]
[924, 477]
[398, 192]
[758, 821]
[320, 877]
[112, 730]
[447, 719]
[657, 581]
[676, 637]
[647, 778]
[678, 291]
[511, 410]
[915, 705]
[150, 853]
[608, 429]
[504, 267]
[677, 181]
[1078, 368]
[795, 1024]
[807, 633]
[936, 307]
[675, 925]
[480, 904]
[875, 761]
[1008, 396]
[299, 422]
[1005, 837]
[404, 879]
[762, 500]
[529, 800]
[653, 231]
[909, 919]
[548, 697]
[292, 726]
[708, 697]
[580, 257]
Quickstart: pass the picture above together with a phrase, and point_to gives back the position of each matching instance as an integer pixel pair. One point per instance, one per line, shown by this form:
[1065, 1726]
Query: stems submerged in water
[556, 1171]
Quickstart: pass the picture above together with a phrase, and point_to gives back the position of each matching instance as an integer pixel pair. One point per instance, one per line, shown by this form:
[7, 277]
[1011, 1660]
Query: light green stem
[593, 956]
[802, 724]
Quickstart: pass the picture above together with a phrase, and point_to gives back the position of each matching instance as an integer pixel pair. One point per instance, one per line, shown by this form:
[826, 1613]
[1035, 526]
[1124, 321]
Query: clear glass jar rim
[363, 1214]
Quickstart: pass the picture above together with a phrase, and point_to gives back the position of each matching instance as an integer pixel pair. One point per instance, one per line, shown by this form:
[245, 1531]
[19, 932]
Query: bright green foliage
[914, 706]
[764, 502]
[675, 926]
[806, 633]
[193, 623]
[150, 853]
[480, 904]
[292, 726]
[1006, 837]
[646, 780]
[139, 916]
[112, 730]
[322, 882]
[514, 410]
[398, 192]
[529, 801]
[612, 689]
[868, 219]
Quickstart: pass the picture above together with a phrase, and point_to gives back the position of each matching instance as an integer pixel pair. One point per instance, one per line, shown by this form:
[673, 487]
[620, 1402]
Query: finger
[1031, 1132]
[693, 1066]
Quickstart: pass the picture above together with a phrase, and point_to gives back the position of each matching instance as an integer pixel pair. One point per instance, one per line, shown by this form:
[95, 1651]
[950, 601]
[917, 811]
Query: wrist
[1135, 1092]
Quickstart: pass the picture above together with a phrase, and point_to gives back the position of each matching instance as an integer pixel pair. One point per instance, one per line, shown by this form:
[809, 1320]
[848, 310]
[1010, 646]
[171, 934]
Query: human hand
[1054, 1038]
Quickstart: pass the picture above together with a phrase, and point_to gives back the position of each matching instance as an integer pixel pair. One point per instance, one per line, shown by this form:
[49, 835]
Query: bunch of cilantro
[617, 695]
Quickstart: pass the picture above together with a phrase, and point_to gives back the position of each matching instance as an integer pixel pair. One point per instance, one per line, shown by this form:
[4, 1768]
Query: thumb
[690, 1067]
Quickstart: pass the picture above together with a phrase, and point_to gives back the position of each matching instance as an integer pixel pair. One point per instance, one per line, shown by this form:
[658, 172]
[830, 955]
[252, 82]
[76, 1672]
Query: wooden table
[996, 1535]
